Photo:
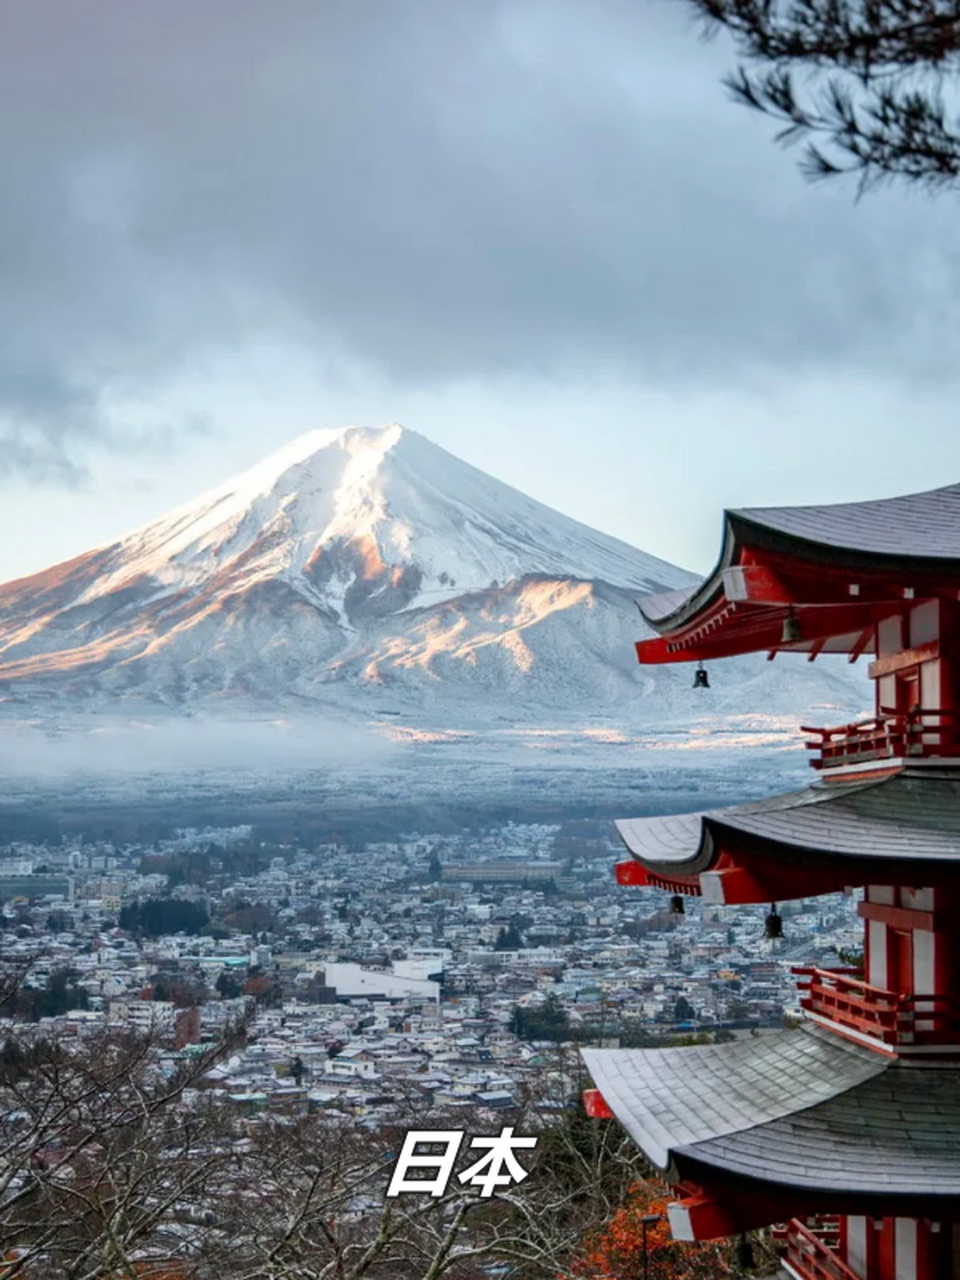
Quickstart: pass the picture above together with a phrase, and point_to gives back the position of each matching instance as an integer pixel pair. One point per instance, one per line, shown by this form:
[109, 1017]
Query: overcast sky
[535, 230]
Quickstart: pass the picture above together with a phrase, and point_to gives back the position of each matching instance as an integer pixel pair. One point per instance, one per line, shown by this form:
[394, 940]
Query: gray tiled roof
[898, 1130]
[926, 525]
[919, 532]
[671, 1098]
[661, 604]
[801, 1108]
[673, 838]
[912, 816]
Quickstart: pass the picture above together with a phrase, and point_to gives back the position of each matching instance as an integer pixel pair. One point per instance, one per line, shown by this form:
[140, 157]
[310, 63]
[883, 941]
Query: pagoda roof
[922, 526]
[795, 1109]
[670, 1099]
[844, 565]
[906, 817]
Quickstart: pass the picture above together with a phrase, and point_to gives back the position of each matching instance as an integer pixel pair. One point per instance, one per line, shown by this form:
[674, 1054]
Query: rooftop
[799, 1109]
[857, 827]
[836, 570]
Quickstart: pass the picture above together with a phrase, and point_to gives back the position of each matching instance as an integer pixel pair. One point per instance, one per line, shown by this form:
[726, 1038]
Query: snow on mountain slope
[546, 649]
[365, 570]
[384, 507]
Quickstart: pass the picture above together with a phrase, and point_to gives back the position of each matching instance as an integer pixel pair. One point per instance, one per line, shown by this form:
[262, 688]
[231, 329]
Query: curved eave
[741, 607]
[675, 845]
[855, 1143]
[666, 612]
[722, 617]
[729, 866]
[905, 825]
[800, 1111]
[670, 1100]
[688, 844]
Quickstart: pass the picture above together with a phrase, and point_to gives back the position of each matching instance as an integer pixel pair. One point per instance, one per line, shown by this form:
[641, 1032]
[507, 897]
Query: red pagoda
[849, 1123]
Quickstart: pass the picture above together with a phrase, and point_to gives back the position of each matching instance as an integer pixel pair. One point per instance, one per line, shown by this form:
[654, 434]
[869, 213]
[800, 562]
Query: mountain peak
[368, 443]
[356, 441]
[391, 497]
[320, 550]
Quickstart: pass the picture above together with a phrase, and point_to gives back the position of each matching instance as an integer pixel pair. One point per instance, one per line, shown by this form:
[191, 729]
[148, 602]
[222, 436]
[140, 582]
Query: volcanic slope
[368, 570]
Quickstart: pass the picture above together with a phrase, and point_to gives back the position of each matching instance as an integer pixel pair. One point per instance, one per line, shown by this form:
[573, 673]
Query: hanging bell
[791, 632]
[700, 679]
[676, 904]
[773, 924]
[745, 1258]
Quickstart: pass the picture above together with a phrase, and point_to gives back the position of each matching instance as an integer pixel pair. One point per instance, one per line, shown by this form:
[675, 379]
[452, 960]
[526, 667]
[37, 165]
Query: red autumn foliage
[256, 986]
[617, 1252]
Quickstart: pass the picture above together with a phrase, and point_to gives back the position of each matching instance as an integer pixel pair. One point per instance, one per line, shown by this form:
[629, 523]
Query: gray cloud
[435, 190]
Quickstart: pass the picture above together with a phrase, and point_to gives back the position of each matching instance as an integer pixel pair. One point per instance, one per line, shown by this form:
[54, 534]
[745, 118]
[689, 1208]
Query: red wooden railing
[931, 732]
[825, 1226]
[809, 1258]
[893, 1019]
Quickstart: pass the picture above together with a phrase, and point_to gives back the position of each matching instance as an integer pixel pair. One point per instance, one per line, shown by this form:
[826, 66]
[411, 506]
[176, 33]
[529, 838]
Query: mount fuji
[367, 575]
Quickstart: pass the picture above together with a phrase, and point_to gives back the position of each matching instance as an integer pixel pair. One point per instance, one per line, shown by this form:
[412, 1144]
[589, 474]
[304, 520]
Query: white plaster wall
[857, 1245]
[905, 1249]
[924, 623]
[877, 973]
[882, 893]
[889, 633]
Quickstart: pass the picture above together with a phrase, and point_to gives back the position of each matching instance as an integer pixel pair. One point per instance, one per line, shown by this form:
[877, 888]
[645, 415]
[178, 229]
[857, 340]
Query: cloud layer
[436, 191]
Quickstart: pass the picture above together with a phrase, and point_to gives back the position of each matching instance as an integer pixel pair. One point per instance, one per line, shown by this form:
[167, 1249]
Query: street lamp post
[648, 1220]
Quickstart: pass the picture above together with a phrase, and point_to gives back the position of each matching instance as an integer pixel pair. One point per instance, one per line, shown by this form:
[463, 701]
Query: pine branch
[874, 76]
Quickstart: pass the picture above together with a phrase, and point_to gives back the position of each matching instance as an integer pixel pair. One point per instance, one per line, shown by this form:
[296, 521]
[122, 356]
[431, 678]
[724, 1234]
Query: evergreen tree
[509, 939]
[228, 988]
[157, 916]
[868, 83]
[60, 995]
[548, 1021]
[683, 1010]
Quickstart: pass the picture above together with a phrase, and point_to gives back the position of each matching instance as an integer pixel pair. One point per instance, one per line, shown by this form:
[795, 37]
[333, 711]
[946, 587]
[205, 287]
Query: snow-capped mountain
[366, 570]
[364, 522]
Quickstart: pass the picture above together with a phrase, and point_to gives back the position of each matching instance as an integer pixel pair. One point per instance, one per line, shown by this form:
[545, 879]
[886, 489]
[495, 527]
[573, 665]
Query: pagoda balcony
[904, 1023]
[888, 736]
[808, 1257]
